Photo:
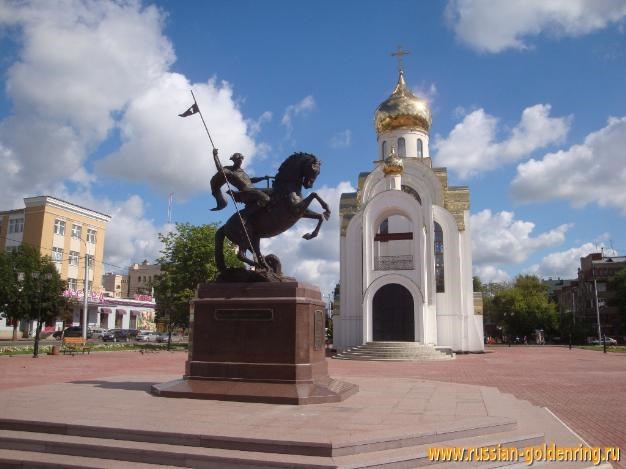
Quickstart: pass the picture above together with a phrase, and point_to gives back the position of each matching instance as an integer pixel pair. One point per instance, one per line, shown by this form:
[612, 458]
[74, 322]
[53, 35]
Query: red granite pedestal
[257, 342]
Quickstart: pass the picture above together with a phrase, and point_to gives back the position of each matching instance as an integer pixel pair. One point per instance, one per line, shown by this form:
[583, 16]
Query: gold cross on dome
[399, 54]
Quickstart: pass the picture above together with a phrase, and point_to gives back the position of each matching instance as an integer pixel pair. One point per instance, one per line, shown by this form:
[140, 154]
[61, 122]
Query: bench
[73, 345]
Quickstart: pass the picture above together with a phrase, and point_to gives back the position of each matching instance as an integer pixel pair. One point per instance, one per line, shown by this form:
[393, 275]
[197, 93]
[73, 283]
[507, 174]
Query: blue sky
[528, 101]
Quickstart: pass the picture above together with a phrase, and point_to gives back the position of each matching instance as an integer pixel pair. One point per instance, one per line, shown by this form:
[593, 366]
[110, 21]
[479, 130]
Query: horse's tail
[219, 250]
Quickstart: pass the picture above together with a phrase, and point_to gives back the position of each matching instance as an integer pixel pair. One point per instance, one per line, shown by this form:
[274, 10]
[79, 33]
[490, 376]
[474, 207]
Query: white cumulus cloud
[473, 145]
[85, 69]
[494, 26]
[591, 172]
[300, 109]
[490, 274]
[172, 153]
[341, 139]
[499, 240]
[565, 264]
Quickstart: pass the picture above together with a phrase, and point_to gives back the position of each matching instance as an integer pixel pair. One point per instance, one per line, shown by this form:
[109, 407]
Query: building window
[72, 284]
[16, 225]
[439, 267]
[59, 227]
[10, 249]
[91, 236]
[401, 147]
[420, 148]
[77, 231]
[57, 254]
[73, 258]
[384, 150]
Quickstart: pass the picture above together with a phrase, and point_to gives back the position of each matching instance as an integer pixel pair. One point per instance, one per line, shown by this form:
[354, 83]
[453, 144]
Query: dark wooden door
[393, 315]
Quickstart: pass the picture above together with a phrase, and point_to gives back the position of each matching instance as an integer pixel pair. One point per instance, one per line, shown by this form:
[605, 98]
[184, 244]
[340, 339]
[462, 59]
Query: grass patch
[103, 347]
[609, 348]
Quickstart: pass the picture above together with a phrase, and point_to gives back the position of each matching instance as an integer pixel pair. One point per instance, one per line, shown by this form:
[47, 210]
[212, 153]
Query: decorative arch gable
[416, 175]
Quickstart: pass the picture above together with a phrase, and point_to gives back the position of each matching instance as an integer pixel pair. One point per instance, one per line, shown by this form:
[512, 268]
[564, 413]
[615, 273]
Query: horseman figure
[246, 193]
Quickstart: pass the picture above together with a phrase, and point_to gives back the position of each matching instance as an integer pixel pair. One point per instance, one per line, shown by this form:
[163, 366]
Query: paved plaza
[585, 389]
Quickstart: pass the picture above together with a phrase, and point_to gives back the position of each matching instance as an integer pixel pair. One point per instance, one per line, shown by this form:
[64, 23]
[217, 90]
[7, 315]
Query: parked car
[609, 341]
[97, 333]
[73, 331]
[161, 337]
[132, 332]
[176, 337]
[147, 336]
[116, 335]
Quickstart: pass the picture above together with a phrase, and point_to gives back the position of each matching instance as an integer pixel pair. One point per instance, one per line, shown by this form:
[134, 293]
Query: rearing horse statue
[285, 207]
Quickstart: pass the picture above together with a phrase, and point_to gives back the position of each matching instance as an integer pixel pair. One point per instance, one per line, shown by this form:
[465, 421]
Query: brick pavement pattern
[586, 389]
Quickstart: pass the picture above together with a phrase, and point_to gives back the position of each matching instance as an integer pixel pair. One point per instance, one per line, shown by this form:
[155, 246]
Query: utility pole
[595, 293]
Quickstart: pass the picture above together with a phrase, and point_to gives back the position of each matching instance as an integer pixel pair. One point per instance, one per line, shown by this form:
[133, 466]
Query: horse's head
[310, 171]
[299, 168]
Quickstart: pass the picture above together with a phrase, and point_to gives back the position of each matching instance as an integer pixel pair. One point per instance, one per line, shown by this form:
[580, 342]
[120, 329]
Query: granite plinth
[255, 342]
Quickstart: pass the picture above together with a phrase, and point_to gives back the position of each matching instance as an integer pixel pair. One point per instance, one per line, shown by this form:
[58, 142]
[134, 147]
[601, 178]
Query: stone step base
[14, 459]
[396, 351]
[54, 435]
[483, 417]
[28, 449]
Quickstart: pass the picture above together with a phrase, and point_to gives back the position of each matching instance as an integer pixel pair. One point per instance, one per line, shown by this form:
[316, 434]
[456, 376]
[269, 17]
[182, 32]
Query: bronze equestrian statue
[268, 212]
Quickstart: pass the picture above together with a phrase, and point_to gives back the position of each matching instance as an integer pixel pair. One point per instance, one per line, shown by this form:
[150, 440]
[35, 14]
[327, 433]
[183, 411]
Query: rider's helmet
[237, 157]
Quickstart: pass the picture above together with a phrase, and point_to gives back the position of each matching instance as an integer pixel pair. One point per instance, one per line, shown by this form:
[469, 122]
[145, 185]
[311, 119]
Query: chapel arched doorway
[393, 314]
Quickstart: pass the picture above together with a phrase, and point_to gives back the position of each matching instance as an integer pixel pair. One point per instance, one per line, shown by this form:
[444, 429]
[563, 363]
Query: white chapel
[405, 247]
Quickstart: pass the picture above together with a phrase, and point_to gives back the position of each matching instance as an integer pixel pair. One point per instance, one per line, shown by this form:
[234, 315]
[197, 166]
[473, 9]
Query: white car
[97, 333]
[609, 341]
[147, 336]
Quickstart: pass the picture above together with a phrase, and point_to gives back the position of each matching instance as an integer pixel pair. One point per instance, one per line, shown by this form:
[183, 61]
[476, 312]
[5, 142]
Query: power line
[52, 250]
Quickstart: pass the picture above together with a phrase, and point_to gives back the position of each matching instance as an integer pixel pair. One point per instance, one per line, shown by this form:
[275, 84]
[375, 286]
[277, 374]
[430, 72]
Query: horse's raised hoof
[220, 205]
[308, 236]
[326, 214]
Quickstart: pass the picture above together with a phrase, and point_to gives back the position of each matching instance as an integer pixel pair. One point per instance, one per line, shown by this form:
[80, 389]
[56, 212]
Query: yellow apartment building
[64, 231]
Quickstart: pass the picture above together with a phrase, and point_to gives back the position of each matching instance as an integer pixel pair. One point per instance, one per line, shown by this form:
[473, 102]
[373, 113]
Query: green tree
[618, 286]
[524, 307]
[477, 284]
[187, 259]
[30, 288]
[489, 291]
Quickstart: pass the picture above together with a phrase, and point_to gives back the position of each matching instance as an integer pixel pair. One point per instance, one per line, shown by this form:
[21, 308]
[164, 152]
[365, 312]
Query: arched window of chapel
[439, 264]
[393, 244]
[420, 148]
[401, 147]
[384, 150]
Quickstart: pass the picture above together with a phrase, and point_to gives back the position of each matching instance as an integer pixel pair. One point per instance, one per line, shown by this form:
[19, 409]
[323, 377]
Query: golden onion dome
[402, 110]
[393, 164]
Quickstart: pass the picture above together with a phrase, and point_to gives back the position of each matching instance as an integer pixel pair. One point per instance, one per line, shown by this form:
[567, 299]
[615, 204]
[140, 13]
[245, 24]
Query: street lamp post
[85, 289]
[20, 280]
[595, 293]
[85, 293]
[35, 277]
